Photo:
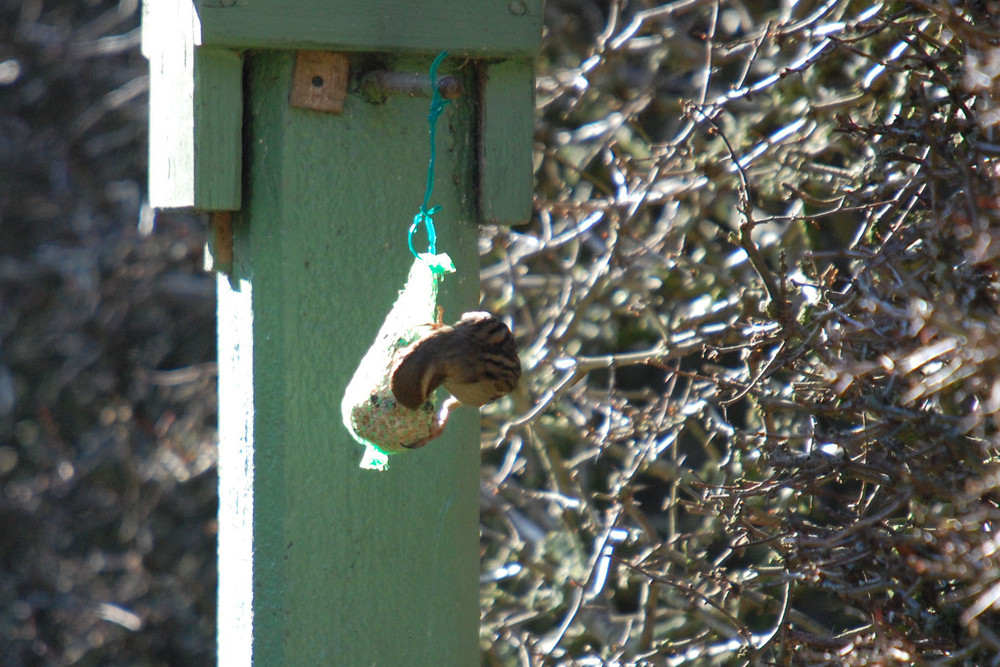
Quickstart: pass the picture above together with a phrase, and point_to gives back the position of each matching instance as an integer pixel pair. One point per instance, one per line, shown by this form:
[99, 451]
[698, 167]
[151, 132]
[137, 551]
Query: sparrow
[475, 359]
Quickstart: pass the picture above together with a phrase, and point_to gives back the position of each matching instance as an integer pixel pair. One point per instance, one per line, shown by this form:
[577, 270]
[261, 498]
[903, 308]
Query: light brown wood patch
[319, 82]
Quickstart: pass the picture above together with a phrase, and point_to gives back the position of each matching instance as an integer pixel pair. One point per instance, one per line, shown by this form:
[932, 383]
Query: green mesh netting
[371, 413]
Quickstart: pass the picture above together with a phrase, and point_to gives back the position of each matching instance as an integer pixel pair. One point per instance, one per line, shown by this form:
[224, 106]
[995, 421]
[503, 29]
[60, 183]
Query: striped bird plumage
[475, 359]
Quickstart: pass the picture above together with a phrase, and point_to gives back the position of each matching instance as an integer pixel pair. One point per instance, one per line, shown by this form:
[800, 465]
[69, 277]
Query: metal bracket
[379, 85]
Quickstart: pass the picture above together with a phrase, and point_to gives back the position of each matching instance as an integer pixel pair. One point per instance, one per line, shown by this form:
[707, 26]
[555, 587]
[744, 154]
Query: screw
[518, 8]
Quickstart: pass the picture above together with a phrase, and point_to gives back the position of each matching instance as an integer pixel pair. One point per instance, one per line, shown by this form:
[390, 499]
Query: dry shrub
[758, 310]
[757, 306]
[107, 485]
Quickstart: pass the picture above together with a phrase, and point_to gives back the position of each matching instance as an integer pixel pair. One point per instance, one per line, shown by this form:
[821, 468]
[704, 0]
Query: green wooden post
[320, 562]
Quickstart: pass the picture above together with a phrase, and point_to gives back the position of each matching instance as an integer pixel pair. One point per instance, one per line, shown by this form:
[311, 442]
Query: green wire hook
[425, 216]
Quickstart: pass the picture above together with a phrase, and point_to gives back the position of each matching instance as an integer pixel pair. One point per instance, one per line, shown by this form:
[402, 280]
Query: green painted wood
[506, 134]
[218, 127]
[322, 563]
[463, 27]
[195, 113]
[237, 500]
